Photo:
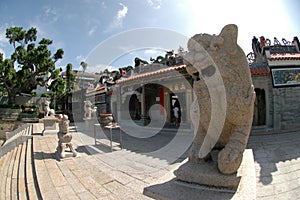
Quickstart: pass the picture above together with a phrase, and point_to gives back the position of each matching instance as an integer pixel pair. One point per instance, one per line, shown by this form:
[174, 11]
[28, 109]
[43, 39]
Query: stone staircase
[17, 173]
[17, 170]
[16, 137]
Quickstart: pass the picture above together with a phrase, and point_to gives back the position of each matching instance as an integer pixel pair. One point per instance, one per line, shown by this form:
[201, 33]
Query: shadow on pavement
[272, 152]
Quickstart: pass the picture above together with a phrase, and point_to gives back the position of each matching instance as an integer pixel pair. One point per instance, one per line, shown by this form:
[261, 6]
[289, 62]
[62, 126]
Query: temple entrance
[174, 102]
[134, 108]
[259, 115]
[141, 100]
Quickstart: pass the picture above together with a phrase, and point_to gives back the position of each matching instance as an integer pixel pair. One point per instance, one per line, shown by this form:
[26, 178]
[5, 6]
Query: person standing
[176, 115]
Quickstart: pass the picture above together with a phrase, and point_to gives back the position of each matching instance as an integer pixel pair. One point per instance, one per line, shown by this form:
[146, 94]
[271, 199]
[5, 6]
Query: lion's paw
[229, 160]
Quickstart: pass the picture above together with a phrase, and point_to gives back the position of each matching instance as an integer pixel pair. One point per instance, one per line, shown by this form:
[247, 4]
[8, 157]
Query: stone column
[119, 103]
[188, 103]
[143, 106]
[167, 107]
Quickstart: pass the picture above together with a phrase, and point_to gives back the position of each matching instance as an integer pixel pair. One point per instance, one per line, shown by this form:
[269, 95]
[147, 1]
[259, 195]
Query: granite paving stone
[86, 195]
[66, 192]
[98, 173]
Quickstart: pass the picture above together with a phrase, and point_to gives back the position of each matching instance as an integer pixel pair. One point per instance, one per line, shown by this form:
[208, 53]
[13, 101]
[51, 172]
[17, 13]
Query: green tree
[69, 79]
[30, 63]
[58, 84]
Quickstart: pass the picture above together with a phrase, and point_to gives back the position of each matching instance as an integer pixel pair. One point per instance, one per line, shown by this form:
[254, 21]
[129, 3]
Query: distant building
[75, 102]
[84, 80]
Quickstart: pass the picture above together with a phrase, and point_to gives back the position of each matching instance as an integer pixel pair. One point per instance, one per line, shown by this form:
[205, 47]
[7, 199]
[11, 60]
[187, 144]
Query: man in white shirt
[176, 115]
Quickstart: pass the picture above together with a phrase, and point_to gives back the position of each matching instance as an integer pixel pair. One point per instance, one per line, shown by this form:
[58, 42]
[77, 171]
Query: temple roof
[152, 73]
[97, 89]
[255, 69]
[260, 71]
[259, 68]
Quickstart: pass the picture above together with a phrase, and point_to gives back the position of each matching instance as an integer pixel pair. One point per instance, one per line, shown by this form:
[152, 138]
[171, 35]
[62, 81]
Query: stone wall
[288, 107]
[282, 105]
[31, 100]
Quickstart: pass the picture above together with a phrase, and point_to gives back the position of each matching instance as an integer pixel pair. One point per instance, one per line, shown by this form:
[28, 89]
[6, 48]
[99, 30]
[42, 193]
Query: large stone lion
[208, 55]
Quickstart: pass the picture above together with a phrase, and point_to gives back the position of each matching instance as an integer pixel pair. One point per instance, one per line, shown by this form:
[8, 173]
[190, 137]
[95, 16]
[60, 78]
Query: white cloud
[92, 24]
[99, 68]
[92, 30]
[80, 58]
[118, 19]
[3, 39]
[122, 13]
[155, 4]
[49, 15]
[151, 51]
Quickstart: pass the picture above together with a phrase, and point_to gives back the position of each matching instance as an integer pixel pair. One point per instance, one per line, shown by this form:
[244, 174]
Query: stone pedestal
[206, 174]
[50, 125]
[210, 183]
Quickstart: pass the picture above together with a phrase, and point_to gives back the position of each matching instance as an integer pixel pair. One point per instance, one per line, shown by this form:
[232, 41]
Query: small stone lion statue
[64, 136]
[89, 110]
[223, 51]
[47, 108]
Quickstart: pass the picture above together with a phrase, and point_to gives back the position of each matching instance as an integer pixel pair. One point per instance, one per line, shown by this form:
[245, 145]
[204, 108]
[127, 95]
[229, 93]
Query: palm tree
[84, 66]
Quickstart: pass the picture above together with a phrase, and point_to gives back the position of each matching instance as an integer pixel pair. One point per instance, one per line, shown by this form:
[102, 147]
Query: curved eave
[153, 73]
[98, 89]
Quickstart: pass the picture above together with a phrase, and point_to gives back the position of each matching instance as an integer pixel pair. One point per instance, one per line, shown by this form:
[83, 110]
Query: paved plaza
[277, 164]
[99, 173]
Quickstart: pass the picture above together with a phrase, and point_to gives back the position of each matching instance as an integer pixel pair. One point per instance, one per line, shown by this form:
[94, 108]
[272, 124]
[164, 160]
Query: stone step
[21, 177]
[33, 191]
[5, 163]
[12, 174]
[17, 173]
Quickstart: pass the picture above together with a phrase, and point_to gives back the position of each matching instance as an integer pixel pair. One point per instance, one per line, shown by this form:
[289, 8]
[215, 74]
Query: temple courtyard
[34, 169]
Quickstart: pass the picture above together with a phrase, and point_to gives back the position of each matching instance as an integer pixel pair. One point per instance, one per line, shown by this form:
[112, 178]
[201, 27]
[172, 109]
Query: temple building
[155, 84]
[152, 91]
[275, 69]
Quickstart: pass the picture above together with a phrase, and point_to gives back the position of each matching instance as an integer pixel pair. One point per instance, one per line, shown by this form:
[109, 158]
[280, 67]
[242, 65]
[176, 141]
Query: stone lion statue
[223, 51]
[47, 108]
[64, 136]
[89, 110]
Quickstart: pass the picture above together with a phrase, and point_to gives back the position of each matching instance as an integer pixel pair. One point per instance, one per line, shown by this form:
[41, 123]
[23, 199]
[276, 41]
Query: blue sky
[79, 26]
